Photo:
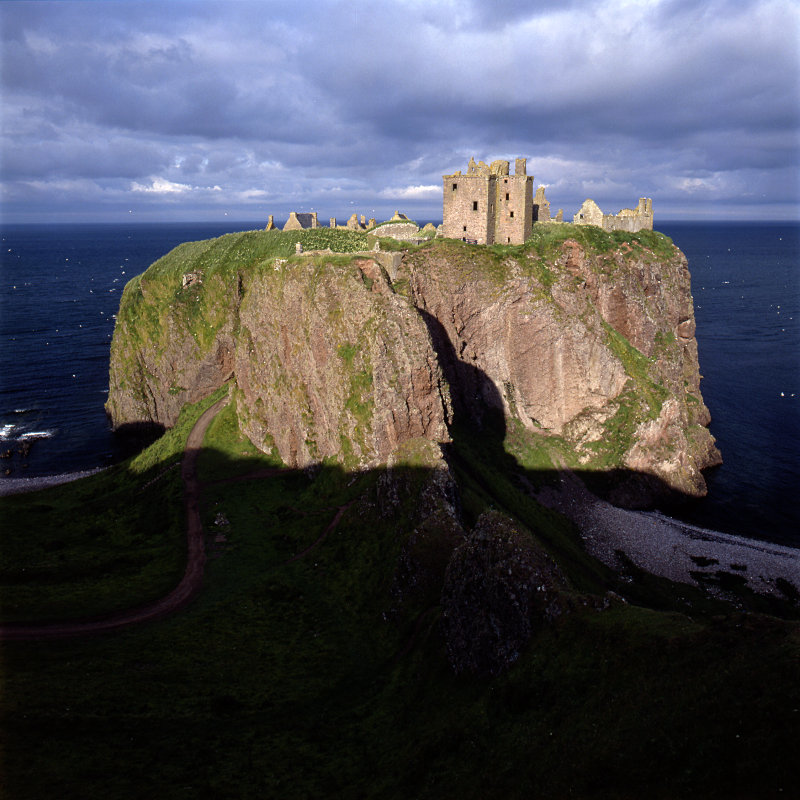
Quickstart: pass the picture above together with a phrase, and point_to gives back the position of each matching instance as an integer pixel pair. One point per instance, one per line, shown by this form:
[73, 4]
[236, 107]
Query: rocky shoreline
[672, 549]
[10, 486]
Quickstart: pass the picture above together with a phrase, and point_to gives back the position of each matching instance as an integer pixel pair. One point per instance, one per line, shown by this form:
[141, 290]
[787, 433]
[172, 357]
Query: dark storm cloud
[185, 108]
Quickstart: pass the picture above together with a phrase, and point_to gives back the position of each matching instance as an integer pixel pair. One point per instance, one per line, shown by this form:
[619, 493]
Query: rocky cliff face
[328, 362]
[340, 368]
[597, 348]
[578, 338]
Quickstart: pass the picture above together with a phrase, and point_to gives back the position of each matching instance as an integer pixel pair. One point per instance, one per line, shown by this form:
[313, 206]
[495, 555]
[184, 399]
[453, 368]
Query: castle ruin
[487, 205]
[628, 219]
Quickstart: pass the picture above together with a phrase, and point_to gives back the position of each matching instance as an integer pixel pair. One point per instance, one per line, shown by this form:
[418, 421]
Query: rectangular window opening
[474, 205]
[455, 186]
[512, 215]
[465, 229]
[508, 240]
[506, 195]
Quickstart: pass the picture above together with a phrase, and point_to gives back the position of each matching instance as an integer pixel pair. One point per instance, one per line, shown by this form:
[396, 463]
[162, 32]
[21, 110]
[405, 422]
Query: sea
[60, 287]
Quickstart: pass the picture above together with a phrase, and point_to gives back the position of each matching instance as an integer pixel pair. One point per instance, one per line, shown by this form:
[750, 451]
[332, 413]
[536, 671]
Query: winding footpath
[181, 595]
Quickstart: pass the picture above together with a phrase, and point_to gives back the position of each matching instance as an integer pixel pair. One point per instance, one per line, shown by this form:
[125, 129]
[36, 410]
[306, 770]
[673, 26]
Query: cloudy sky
[192, 110]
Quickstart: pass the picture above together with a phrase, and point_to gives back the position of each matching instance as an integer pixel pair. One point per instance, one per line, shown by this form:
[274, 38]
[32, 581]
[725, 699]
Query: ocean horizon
[60, 286]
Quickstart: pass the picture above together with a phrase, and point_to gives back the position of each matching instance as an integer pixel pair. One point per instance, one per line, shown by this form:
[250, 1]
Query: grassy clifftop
[606, 316]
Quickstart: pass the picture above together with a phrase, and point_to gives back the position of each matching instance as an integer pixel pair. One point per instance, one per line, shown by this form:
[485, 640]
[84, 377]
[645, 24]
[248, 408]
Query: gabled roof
[305, 220]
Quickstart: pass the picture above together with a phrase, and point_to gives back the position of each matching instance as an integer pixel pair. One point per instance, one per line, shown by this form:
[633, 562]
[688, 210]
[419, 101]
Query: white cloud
[413, 192]
[161, 186]
[164, 186]
[252, 194]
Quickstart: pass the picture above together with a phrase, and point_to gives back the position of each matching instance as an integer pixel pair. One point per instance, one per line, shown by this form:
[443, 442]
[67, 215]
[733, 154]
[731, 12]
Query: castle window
[508, 240]
[465, 229]
[506, 195]
[474, 205]
[455, 186]
[512, 215]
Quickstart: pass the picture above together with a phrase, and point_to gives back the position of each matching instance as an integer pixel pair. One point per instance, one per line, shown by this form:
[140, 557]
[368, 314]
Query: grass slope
[288, 677]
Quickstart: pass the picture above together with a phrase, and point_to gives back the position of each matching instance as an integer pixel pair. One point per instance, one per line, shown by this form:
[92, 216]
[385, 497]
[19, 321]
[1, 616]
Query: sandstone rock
[339, 369]
[537, 365]
[544, 353]
[338, 360]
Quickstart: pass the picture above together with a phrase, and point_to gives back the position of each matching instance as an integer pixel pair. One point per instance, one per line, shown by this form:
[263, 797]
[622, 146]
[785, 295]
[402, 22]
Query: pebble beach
[672, 549]
[19, 485]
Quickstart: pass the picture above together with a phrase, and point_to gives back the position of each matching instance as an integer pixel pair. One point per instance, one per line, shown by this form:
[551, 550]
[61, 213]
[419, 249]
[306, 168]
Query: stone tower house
[487, 205]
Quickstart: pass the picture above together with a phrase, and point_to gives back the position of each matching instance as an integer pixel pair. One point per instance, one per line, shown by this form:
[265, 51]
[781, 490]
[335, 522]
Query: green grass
[101, 544]
[547, 238]
[229, 454]
[287, 676]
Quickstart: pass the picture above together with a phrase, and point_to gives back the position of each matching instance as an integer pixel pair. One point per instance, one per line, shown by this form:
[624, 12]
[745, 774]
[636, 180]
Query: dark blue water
[60, 288]
[746, 288]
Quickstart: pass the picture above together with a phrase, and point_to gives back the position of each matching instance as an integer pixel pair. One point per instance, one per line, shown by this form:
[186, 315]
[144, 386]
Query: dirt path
[192, 577]
[331, 527]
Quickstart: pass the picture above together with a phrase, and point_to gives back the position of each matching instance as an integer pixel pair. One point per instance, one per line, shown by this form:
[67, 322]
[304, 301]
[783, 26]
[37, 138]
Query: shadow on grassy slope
[326, 674]
[301, 678]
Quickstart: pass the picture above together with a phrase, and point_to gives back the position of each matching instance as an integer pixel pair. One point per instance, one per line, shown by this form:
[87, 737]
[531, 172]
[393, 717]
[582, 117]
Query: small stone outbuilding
[299, 221]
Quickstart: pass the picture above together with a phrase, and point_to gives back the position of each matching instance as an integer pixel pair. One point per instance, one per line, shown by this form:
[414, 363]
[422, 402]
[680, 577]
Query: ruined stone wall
[589, 214]
[541, 206]
[628, 219]
[402, 231]
[353, 224]
[632, 220]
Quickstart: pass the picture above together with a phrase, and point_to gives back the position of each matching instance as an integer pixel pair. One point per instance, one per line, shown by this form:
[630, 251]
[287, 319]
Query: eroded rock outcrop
[500, 588]
[328, 362]
[596, 348]
[343, 369]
